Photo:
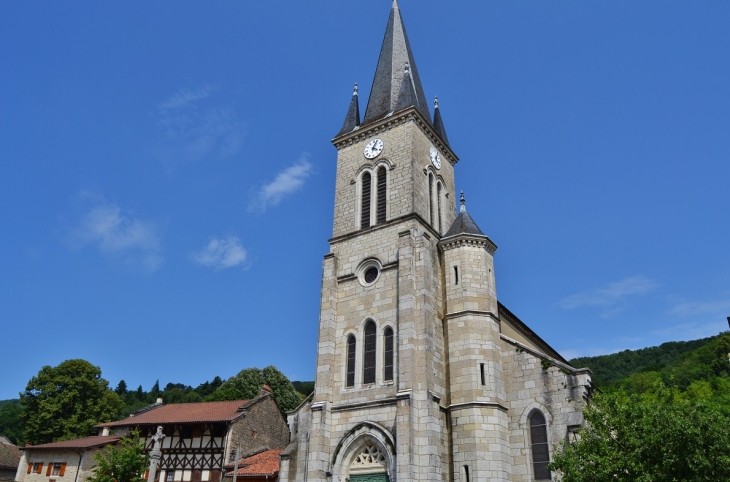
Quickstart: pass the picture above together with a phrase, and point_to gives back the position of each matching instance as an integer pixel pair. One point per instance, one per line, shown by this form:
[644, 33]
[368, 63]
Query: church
[422, 374]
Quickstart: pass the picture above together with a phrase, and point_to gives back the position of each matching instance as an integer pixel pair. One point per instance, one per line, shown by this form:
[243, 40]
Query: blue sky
[166, 172]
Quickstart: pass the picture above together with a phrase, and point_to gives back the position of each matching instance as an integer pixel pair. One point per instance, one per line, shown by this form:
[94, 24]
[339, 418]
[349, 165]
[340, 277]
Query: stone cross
[155, 454]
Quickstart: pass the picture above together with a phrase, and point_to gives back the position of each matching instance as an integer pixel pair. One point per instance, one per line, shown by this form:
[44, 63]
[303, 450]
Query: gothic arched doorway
[369, 465]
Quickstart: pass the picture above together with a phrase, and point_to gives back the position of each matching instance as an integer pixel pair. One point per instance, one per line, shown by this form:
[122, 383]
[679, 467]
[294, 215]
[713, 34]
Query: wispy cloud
[701, 308]
[119, 236]
[693, 330]
[221, 253]
[194, 126]
[286, 182]
[612, 297]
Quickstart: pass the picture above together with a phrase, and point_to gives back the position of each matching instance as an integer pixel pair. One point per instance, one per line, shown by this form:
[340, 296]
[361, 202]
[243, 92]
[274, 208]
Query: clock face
[435, 158]
[373, 148]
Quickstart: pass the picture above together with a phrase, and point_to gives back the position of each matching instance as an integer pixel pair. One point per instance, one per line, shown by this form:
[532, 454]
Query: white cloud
[120, 236]
[286, 182]
[702, 308]
[194, 126]
[221, 253]
[612, 297]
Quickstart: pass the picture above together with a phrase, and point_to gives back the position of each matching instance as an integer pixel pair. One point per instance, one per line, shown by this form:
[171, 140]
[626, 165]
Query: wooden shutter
[50, 467]
[63, 469]
[30, 468]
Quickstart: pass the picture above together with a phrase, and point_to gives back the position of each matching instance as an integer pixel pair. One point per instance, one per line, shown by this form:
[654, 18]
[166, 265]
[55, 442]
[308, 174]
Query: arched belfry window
[438, 206]
[368, 375]
[365, 201]
[382, 200]
[388, 352]
[430, 199]
[540, 452]
[350, 361]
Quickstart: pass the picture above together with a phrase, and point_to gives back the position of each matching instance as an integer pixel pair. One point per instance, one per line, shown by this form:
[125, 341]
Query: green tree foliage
[126, 463]
[663, 436]
[305, 388]
[11, 423]
[66, 401]
[121, 388]
[247, 385]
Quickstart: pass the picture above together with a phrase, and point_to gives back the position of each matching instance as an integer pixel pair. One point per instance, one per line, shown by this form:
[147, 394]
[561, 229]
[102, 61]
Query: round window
[371, 274]
[368, 272]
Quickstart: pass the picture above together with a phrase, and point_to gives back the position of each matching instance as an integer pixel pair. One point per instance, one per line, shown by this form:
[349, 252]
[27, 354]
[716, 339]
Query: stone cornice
[393, 120]
[407, 217]
[542, 356]
[459, 314]
[471, 240]
[459, 406]
[373, 403]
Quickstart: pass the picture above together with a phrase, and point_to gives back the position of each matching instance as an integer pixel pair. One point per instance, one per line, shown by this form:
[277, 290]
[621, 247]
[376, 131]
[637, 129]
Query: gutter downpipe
[78, 470]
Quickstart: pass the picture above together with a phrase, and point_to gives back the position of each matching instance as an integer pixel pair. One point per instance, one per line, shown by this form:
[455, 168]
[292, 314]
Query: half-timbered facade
[200, 438]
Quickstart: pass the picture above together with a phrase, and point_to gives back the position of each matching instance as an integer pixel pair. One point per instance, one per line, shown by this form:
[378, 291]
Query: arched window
[368, 375]
[430, 199]
[438, 205]
[365, 201]
[388, 364]
[538, 439]
[382, 183]
[350, 361]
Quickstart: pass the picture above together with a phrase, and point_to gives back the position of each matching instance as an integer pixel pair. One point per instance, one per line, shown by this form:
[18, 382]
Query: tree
[656, 437]
[66, 401]
[11, 423]
[247, 385]
[127, 463]
[121, 388]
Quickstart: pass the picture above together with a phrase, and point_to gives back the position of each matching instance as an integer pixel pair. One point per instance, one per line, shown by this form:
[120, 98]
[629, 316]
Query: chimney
[159, 401]
[266, 390]
[105, 432]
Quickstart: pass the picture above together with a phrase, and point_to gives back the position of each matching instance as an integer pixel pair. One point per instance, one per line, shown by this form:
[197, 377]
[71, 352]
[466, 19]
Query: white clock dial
[435, 158]
[373, 149]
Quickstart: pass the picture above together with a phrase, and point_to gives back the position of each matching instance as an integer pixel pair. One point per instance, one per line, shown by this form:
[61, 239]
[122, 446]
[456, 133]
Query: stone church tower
[421, 373]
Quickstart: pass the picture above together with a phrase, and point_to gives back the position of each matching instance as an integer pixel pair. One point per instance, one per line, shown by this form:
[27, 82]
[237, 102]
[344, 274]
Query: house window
[388, 364]
[170, 476]
[456, 275]
[382, 183]
[369, 353]
[481, 370]
[430, 199]
[58, 469]
[35, 467]
[365, 202]
[540, 452]
[350, 361]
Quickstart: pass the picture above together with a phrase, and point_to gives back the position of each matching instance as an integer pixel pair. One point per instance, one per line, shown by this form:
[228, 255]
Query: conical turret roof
[396, 65]
[352, 119]
[463, 224]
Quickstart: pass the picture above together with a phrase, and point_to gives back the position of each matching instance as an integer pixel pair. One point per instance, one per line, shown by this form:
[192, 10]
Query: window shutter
[63, 469]
[50, 467]
[30, 467]
[39, 470]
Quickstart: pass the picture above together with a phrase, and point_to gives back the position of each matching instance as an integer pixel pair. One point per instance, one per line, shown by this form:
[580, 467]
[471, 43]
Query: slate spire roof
[396, 67]
[463, 224]
[352, 119]
[438, 123]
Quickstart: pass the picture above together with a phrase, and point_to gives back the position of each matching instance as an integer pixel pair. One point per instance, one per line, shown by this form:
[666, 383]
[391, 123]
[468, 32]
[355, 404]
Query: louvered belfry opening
[388, 363]
[540, 452]
[365, 204]
[438, 205]
[369, 354]
[382, 183]
[430, 199]
[350, 361]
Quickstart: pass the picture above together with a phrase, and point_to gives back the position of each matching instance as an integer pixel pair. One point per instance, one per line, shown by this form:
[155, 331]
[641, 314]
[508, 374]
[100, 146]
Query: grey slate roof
[352, 119]
[388, 93]
[463, 224]
[438, 123]
[9, 456]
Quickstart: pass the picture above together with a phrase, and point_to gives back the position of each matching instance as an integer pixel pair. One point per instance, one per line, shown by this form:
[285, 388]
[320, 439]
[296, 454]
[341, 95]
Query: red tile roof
[79, 443]
[184, 413]
[9, 456]
[263, 463]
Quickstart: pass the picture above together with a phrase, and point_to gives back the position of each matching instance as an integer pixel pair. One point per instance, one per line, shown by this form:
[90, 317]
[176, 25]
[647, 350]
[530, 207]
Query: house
[9, 459]
[66, 461]
[200, 438]
[422, 372]
[259, 467]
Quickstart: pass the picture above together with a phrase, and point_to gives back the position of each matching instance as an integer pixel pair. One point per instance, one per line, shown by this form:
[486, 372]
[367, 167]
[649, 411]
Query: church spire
[438, 123]
[352, 119]
[396, 66]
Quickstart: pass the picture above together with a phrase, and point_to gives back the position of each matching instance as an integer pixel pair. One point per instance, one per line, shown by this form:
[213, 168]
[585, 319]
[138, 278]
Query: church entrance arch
[365, 454]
